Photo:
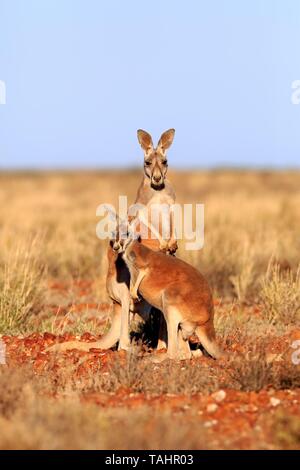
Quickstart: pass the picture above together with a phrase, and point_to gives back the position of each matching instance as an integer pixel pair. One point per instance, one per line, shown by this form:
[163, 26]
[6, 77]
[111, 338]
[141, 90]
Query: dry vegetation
[52, 279]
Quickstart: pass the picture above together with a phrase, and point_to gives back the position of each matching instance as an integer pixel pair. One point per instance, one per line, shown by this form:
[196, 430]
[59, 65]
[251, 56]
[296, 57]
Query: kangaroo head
[155, 159]
[123, 235]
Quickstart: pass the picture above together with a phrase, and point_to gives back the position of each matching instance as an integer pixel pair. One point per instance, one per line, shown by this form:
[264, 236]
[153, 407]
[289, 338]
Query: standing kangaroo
[179, 291]
[154, 189]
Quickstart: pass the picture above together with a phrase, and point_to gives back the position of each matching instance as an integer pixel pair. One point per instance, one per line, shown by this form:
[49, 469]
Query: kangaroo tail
[106, 342]
[207, 337]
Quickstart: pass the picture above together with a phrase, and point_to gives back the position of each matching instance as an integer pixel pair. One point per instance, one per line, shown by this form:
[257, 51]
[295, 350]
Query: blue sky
[83, 75]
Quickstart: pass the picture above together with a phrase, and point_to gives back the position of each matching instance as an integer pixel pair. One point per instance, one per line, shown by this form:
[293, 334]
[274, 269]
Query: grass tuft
[21, 285]
[280, 295]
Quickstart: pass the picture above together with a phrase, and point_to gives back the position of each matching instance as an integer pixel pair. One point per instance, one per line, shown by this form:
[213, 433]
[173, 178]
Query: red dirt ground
[229, 413]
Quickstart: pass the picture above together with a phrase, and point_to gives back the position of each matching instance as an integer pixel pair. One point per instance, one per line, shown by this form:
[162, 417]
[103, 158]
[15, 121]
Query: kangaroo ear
[166, 140]
[145, 140]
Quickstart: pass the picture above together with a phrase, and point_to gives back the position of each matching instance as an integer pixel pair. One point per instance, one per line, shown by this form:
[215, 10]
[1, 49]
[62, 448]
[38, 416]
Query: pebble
[275, 401]
[209, 424]
[219, 395]
[186, 407]
[212, 407]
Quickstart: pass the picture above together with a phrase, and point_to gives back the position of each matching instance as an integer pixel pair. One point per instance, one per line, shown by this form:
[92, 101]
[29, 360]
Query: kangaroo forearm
[136, 284]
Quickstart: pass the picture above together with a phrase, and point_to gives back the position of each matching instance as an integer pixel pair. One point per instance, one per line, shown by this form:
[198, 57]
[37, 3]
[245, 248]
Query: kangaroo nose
[116, 246]
[157, 178]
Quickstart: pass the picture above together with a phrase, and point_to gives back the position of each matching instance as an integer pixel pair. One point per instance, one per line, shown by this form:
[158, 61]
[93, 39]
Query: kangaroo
[179, 291]
[154, 189]
[117, 286]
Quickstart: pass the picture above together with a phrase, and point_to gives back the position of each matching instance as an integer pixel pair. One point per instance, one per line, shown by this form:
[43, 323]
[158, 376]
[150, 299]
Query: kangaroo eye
[147, 163]
[164, 162]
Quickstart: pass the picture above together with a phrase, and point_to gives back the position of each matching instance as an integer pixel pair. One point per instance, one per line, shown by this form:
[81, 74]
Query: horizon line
[97, 169]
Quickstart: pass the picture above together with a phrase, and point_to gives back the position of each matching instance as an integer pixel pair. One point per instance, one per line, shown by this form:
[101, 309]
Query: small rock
[252, 408]
[275, 401]
[209, 424]
[219, 396]
[212, 407]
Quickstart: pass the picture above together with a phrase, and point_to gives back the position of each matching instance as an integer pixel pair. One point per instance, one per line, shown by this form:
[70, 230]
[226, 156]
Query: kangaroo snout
[116, 246]
[157, 178]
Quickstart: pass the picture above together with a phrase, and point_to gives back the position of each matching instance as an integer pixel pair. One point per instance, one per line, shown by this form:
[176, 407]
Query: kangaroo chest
[160, 198]
[118, 279]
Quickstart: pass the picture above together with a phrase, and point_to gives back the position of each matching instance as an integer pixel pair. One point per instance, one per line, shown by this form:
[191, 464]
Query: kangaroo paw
[163, 245]
[172, 247]
[135, 296]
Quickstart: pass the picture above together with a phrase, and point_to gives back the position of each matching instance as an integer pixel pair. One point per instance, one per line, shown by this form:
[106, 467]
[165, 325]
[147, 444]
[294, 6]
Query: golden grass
[250, 218]
[280, 295]
[21, 285]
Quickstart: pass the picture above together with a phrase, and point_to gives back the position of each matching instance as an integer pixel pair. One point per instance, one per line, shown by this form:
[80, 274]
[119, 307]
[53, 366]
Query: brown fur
[178, 290]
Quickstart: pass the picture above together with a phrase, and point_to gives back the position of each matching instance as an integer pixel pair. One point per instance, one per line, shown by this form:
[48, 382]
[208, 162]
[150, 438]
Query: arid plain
[52, 288]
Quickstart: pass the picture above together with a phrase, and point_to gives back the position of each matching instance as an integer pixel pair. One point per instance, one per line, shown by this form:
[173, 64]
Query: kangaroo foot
[163, 246]
[197, 353]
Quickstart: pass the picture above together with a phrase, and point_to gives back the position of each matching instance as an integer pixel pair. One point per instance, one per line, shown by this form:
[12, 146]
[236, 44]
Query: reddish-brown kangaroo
[154, 189]
[179, 291]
